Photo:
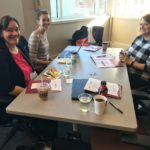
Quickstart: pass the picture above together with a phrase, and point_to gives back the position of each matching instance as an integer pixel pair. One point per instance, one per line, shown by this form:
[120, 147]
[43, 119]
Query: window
[76, 9]
[130, 8]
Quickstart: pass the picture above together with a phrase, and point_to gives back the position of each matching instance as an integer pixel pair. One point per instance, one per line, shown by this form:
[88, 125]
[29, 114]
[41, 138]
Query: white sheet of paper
[103, 60]
[56, 85]
[104, 63]
[113, 88]
[92, 48]
[35, 85]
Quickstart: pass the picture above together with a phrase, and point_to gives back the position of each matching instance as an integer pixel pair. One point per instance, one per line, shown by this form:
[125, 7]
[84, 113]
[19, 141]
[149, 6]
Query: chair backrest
[97, 33]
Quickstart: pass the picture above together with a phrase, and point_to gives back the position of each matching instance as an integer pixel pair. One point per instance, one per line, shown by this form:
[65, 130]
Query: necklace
[13, 50]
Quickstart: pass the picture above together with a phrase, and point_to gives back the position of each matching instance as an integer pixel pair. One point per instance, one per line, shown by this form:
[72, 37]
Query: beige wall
[13, 8]
[123, 31]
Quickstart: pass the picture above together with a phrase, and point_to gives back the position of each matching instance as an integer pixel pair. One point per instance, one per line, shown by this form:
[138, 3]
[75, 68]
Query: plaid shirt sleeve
[140, 50]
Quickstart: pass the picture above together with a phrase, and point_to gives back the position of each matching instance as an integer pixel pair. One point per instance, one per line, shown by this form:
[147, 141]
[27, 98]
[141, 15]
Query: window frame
[60, 18]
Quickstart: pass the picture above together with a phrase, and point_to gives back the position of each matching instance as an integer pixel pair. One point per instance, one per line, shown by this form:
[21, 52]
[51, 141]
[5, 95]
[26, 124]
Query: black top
[10, 74]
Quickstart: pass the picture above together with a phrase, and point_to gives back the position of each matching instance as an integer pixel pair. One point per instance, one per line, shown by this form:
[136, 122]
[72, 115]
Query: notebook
[78, 88]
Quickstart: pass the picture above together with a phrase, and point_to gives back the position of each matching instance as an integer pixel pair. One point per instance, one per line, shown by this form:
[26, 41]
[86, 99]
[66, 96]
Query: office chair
[97, 33]
[143, 99]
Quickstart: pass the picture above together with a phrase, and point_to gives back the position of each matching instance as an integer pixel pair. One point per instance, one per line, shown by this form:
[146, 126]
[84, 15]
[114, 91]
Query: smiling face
[11, 34]
[144, 28]
[44, 21]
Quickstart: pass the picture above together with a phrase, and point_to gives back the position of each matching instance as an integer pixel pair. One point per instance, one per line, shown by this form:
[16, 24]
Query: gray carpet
[20, 138]
[26, 138]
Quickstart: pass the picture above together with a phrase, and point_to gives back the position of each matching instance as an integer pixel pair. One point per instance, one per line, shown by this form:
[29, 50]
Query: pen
[116, 107]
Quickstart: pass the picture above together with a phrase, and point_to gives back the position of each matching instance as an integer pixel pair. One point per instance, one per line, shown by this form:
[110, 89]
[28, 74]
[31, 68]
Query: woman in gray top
[38, 42]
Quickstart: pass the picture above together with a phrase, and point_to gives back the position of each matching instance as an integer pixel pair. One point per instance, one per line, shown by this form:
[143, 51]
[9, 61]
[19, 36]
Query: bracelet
[132, 63]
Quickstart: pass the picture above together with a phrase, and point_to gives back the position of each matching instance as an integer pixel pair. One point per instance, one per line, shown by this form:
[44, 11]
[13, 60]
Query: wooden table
[60, 107]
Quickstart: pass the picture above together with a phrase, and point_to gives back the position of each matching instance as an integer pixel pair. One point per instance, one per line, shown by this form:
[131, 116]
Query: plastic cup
[85, 100]
[43, 91]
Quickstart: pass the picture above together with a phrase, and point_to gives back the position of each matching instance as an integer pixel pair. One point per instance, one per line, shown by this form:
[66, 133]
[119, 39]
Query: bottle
[103, 90]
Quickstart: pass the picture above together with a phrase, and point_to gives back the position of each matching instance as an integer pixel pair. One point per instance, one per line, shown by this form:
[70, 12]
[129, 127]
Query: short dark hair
[4, 22]
[146, 18]
[40, 13]
[79, 34]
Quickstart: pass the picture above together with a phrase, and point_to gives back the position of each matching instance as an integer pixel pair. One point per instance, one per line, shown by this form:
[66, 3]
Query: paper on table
[72, 48]
[35, 85]
[92, 48]
[104, 63]
[103, 60]
[102, 57]
[113, 88]
[54, 84]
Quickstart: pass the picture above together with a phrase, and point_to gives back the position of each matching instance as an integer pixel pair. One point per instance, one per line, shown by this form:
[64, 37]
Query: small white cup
[100, 103]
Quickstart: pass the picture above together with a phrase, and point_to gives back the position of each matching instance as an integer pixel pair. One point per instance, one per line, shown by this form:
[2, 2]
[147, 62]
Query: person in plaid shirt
[137, 57]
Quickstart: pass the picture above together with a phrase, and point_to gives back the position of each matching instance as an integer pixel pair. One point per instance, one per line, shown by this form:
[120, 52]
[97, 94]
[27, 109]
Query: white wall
[13, 8]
